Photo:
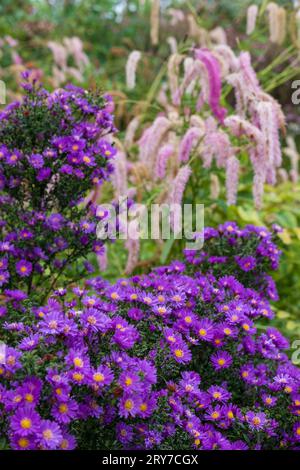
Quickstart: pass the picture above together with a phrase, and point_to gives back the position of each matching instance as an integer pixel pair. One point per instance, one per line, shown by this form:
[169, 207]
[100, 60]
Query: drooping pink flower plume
[189, 140]
[179, 184]
[131, 66]
[215, 83]
[232, 179]
[161, 163]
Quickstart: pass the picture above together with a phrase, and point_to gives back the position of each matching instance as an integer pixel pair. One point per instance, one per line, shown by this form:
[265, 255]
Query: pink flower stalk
[178, 185]
[154, 22]
[216, 144]
[119, 177]
[269, 126]
[248, 73]
[102, 259]
[131, 66]
[214, 186]
[161, 163]
[292, 152]
[232, 179]
[239, 127]
[74, 47]
[218, 35]
[130, 131]
[258, 189]
[75, 73]
[251, 18]
[189, 141]
[228, 55]
[215, 84]
[173, 73]
[153, 140]
[173, 44]
[16, 58]
[188, 82]
[60, 54]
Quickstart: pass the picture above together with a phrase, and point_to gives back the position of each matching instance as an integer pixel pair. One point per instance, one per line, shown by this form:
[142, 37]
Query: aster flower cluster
[54, 147]
[172, 359]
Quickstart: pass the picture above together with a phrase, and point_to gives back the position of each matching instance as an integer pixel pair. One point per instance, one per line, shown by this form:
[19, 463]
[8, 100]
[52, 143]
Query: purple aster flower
[13, 158]
[124, 433]
[36, 160]
[50, 435]
[3, 264]
[68, 442]
[4, 277]
[95, 320]
[205, 329]
[296, 431]
[181, 352]
[52, 323]
[247, 263]
[219, 393]
[23, 442]
[129, 406]
[101, 376]
[221, 360]
[64, 412]
[25, 422]
[24, 268]
[55, 222]
[30, 342]
[256, 420]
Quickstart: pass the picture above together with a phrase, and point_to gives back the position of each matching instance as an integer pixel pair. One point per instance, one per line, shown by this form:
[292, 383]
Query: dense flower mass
[172, 358]
[54, 147]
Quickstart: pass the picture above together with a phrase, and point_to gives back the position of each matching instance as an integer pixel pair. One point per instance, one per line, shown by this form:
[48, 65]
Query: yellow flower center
[98, 377]
[23, 442]
[64, 444]
[128, 404]
[29, 397]
[63, 408]
[178, 353]
[78, 376]
[202, 332]
[26, 423]
[48, 434]
[78, 362]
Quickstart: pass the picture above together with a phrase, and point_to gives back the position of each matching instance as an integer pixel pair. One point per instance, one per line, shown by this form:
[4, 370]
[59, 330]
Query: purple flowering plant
[54, 148]
[180, 358]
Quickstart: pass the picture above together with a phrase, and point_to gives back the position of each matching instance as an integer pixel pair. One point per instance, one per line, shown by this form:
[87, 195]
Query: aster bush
[180, 358]
[54, 148]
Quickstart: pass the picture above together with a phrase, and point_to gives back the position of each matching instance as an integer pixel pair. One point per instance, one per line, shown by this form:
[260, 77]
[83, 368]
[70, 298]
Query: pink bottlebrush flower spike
[215, 83]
